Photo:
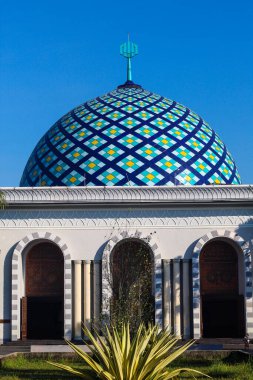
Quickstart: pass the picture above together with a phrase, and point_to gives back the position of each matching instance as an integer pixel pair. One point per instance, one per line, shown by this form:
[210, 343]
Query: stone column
[166, 294]
[96, 292]
[86, 293]
[176, 297]
[186, 300]
[77, 299]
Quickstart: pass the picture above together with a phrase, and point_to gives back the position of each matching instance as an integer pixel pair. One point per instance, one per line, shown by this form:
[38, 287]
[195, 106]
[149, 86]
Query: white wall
[86, 232]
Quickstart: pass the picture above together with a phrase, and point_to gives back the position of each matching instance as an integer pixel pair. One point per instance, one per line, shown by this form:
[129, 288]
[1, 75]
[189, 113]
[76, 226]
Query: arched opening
[222, 299]
[42, 306]
[132, 270]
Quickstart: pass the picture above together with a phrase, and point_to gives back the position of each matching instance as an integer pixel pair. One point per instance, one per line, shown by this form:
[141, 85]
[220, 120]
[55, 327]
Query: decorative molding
[127, 194]
[150, 241]
[244, 247]
[136, 218]
[18, 279]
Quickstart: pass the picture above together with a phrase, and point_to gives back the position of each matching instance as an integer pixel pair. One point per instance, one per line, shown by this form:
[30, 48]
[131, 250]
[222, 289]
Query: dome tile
[116, 115]
[95, 142]
[113, 132]
[187, 177]
[99, 124]
[130, 163]
[160, 123]
[130, 140]
[92, 164]
[201, 167]
[183, 154]
[144, 115]
[81, 134]
[118, 104]
[130, 122]
[146, 131]
[164, 141]
[76, 154]
[59, 168]
[64, 145]
[141, 104]
[195, 144]
[148, 151]
[168, 164]
[150, 177]
[111, 152]
[110, 177]
[104, 110]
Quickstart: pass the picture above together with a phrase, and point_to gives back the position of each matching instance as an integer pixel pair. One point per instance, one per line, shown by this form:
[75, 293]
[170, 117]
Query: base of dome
[129, 84]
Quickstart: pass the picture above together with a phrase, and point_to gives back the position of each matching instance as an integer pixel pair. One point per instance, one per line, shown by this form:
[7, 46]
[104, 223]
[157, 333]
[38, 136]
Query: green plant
[2, 201]
[130, 278]
[117, 356]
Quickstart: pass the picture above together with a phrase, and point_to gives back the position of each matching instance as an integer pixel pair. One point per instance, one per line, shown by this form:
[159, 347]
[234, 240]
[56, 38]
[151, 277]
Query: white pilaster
[77, 299]
[186, 300]
[166, 294]
[176, 297]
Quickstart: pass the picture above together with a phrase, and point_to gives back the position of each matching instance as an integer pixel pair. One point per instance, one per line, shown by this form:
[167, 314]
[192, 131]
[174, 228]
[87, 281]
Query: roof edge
[131, 194]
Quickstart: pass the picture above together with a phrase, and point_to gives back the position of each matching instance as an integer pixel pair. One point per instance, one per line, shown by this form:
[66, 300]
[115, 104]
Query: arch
[244, 248]
[132, 271]
[148, 240]
[18, 280]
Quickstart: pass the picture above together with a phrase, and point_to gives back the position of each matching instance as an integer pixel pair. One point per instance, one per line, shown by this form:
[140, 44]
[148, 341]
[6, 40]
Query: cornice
[35, 196]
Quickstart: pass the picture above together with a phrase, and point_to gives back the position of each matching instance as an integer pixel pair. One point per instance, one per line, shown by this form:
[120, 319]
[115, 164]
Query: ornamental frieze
[118, 218]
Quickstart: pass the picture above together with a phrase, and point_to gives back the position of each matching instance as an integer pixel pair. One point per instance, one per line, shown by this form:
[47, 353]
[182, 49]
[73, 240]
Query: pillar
[77, 299]
[96, 292]
[186, 300]
[86, 293]
[176, 297]
[166, 294]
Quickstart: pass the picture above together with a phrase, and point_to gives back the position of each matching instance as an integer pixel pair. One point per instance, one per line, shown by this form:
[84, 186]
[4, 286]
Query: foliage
[131, 284]
[118, 356]
[2, 201]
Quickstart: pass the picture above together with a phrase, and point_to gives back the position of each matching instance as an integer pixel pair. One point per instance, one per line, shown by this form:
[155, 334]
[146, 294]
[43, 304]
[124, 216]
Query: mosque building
[130, 171]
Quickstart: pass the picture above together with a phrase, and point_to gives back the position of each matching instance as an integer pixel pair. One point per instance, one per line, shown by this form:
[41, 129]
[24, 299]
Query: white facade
[87, 222]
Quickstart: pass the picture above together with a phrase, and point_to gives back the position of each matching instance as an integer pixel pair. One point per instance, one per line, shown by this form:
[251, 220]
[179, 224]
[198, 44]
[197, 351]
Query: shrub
[118, 356]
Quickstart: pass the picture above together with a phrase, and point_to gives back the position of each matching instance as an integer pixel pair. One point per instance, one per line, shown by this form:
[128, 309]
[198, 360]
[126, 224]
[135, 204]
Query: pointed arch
[244, 248]
[17, 288]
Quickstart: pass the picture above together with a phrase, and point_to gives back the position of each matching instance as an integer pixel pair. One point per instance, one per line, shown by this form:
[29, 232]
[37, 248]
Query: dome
[130, 137]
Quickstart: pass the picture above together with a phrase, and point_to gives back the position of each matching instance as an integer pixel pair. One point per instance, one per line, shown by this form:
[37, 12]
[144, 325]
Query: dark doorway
[222, 305]
[132, 274]
[42, 308]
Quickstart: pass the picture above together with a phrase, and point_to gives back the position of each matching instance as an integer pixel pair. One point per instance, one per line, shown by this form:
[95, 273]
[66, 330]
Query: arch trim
[18, 281]
[245, 249]
[150, 241]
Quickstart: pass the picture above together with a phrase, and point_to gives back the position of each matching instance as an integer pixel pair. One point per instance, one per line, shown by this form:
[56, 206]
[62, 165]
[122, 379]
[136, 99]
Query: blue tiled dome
[130, 136]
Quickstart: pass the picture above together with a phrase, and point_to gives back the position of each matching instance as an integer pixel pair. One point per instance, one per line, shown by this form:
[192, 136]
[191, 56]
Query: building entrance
[42, 306]
[222, 305]
[132, 283]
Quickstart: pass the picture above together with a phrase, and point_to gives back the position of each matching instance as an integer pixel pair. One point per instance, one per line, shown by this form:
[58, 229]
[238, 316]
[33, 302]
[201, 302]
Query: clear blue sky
[56, 54]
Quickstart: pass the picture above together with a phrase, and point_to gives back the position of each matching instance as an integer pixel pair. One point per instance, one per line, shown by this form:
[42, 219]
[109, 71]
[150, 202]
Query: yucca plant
[118, 356]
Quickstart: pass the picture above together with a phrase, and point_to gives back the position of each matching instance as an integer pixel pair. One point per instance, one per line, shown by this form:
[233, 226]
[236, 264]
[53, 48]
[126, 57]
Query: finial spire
[129, 50]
